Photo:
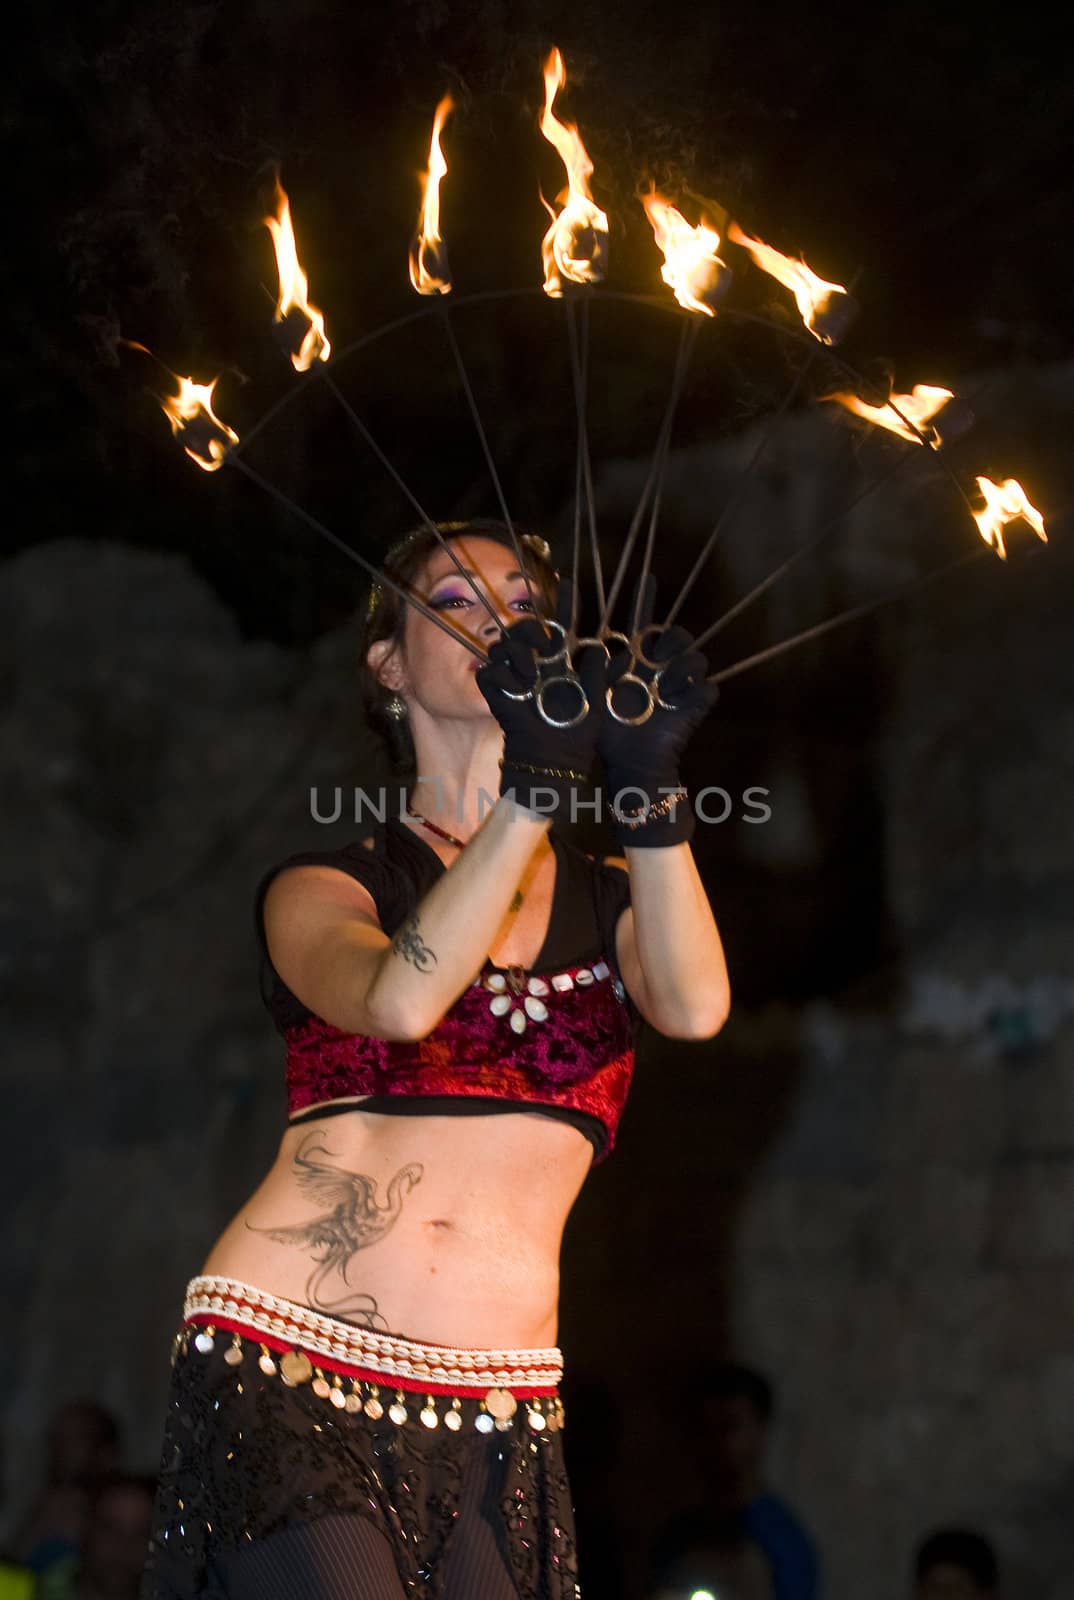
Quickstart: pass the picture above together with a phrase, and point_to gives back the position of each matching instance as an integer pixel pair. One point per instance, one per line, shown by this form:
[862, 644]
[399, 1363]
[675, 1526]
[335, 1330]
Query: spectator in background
[109, 1566]
[82, 1450]
[731, 1407]
[955, 1564]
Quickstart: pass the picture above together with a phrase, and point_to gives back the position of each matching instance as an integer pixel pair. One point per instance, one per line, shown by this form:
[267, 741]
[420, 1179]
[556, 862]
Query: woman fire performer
[364, 1400]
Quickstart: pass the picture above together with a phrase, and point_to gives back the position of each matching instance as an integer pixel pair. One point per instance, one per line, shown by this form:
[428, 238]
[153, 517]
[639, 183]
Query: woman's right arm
[322, 931]
[328, 947]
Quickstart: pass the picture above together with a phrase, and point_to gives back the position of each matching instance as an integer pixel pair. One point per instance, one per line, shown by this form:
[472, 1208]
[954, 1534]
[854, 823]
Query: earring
[396, 708]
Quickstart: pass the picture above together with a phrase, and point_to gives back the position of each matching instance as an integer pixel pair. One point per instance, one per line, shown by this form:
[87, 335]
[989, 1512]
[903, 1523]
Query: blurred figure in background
[730, 1408]
[16, 1583]
[109, 1566]
[955, 1564]
[82, 1450]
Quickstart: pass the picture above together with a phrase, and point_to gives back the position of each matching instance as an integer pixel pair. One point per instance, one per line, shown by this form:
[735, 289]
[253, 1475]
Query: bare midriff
[443, 1229]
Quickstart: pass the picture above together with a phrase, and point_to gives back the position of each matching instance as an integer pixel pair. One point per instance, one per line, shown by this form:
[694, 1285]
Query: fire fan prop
[574, 258]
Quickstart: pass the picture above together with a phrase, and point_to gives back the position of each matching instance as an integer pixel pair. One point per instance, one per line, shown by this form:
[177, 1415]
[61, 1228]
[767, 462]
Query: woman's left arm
[667, 944]
[668, 947]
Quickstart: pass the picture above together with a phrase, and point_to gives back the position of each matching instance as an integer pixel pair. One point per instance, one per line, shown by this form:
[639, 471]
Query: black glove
[641, 760]
[543, 765]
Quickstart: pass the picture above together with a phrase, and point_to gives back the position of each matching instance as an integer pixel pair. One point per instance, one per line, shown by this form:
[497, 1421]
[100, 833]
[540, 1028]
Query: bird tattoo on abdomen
[355, 1221]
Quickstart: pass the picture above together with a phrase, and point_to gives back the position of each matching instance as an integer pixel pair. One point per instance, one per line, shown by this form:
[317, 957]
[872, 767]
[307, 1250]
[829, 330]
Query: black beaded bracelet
[544, 772]
[664, 819]
[653, 813]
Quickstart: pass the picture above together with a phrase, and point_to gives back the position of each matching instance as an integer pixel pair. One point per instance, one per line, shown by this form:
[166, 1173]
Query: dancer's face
[433, 670]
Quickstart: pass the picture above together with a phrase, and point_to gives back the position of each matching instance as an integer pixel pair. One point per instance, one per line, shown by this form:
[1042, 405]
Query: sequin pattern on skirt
[246, 1454]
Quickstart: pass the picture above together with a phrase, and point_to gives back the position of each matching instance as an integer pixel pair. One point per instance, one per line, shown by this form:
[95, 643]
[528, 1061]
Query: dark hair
[385, 613]
[958, 1547]
[726, 1379]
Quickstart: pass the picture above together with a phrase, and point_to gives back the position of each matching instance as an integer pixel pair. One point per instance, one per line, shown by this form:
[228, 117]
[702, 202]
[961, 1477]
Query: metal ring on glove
[550, 661]
[591, 639]
[666, 705]
[642, 716]
[545, 661]
[562, 722]
[639, 654]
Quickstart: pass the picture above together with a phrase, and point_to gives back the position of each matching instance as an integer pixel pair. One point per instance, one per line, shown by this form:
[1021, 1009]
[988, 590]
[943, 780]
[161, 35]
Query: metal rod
[731, 504]
[807, 549]
[464, 379]
[428, 522]
[374, 572]
[664, 304]
[583, 478]
[863, 383]
[587, 464]
[658, 492]
[655, 471]
[784, 567]
[938, 453]
[576, 525]
[845, 616]
[427, 309]
[655, 302]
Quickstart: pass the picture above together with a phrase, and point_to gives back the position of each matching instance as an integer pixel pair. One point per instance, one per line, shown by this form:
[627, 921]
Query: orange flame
[429, 271]
[576, 245]
[1005, 502]
[918, 408]
[314, 345]
[691, 266]
[814, 296]
[203, 436]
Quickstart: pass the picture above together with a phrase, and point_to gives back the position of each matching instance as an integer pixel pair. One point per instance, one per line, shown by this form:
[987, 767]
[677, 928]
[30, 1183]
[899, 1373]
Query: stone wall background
[863, 1185]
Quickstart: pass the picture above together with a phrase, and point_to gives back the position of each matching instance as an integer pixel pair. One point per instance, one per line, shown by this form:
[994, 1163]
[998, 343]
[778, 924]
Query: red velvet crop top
[557, 1039]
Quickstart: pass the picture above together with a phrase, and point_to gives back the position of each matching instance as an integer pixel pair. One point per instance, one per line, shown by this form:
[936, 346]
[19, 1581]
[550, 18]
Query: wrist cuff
[648, 819]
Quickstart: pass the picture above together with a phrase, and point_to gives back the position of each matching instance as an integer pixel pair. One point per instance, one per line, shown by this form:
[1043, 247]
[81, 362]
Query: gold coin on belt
[501, 1404]
[296, 1367]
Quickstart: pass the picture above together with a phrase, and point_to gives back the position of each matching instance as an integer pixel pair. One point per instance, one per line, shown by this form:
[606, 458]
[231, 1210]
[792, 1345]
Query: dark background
[924, 157]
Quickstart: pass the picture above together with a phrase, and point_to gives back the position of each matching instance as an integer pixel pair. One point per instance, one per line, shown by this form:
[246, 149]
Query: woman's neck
[458, 780]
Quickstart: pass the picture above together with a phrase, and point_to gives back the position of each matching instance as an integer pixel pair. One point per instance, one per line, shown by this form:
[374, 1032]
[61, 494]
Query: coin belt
[359, 1369]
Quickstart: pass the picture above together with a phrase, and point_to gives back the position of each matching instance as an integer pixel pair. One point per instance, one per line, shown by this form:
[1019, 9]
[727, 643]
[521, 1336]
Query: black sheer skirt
[267, 1492]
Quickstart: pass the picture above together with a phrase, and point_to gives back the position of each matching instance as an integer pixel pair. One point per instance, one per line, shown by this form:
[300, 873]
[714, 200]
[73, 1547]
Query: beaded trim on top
[519, 995]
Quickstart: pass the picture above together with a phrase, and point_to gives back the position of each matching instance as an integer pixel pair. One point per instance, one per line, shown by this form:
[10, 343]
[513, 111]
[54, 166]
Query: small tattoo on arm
[356, 1220]
[409, 944]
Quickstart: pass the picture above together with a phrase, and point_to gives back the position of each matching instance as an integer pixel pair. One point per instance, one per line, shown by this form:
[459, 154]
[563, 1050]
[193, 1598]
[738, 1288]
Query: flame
[314, 345]
[1005, 502]
[917, 408]
[428, 255]
[813, 294]
[203, 436]
[691, 267]
[576, 245]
